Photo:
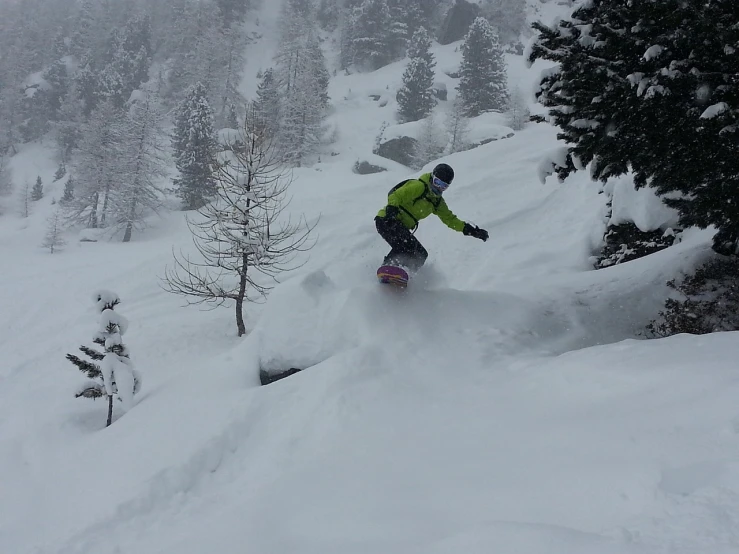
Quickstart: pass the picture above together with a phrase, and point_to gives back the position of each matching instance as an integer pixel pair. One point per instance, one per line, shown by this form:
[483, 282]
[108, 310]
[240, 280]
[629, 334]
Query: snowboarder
[408, 203]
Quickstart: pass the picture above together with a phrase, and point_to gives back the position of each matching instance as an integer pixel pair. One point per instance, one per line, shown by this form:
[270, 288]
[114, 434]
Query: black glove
[474, 231]
[392, 212]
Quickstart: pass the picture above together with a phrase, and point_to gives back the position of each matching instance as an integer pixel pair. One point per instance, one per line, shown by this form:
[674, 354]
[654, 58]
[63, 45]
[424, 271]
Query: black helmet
[444, 172]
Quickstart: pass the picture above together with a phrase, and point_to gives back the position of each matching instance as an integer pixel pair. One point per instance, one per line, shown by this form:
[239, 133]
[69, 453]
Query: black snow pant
[406, 250]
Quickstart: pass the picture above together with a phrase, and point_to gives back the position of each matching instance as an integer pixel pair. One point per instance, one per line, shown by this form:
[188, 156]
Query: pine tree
[267, 103]
[142, 149]
[483, 82]
[68, 195]
[37, 193]
[69, 123]
[415, 98]
[110, 373]
[371, 39]
[194, 149]
[54, 239]
[61, 171]
[650, 88]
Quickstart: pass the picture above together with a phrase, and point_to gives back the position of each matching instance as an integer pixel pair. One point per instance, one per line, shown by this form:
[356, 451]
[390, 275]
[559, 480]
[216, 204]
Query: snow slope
[501, 403]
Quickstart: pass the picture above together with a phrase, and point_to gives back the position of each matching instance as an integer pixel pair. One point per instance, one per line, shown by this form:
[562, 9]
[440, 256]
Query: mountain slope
[499, 403]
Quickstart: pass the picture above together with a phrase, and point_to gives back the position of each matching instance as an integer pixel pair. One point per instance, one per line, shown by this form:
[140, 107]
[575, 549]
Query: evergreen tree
[68, 126]
[483, 82]
[68, 195]
[415, 98]
[110, 373]
[650, 88]
[267, 103]
[194, 149]
[61, 171]
[371, 39]
[37, 193]
[233, 11]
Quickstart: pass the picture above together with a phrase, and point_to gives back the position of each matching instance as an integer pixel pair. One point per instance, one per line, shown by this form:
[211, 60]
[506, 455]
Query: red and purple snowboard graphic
[389, 274]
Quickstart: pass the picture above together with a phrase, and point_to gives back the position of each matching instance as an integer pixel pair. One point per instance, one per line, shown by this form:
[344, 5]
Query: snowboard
[393, 275]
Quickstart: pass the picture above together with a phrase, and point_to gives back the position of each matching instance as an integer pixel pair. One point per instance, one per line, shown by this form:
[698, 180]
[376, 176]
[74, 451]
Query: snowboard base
[392, 275]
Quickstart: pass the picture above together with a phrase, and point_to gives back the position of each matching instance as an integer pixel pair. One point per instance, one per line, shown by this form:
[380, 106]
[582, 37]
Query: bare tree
[6, 183]
[54, 238]
[25, 200]
[457, 126]
[244, 238]
[518, 113]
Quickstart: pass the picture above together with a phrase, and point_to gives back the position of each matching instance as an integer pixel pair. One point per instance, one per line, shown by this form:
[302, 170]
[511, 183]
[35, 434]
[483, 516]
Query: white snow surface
[500, 404]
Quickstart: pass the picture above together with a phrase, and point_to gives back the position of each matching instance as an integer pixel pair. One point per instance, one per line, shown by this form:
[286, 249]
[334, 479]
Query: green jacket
[416, 202]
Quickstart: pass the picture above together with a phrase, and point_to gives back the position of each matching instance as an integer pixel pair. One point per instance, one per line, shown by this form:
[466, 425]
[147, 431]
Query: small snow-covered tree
[37, 192]
[68, 194]
[61, 171]
[431, 142]
[457, 126]
[244, 238]
[518, 111]
[194, 145]
[110, 373]
[483, 83]
[415, 97]
[54, 238]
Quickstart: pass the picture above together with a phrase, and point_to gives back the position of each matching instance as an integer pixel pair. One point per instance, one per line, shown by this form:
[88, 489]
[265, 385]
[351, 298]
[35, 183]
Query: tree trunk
[241, 295]
[94, 213]
[110, 410]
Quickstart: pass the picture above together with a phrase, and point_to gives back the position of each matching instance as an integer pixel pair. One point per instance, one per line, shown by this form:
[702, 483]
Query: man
[410, 202]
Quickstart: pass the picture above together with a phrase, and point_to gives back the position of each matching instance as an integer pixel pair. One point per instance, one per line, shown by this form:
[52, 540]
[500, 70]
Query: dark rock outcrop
[457, 21]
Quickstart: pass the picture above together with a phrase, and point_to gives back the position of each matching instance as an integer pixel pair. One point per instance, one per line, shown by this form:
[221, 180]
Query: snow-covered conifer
[371, 38]
[483, 83]
[60, 172]
[37, 192]
[650, 88]
[68, 194]
[194, 149]
[110, 373]
[267, 102]
[415, 97]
